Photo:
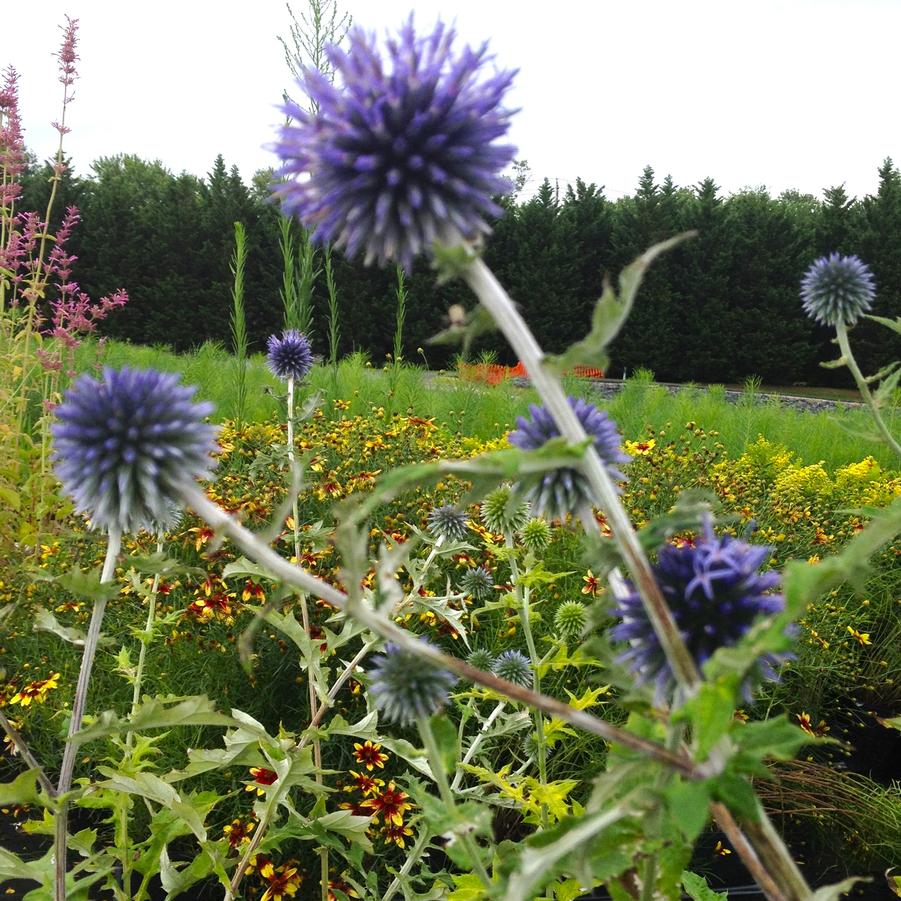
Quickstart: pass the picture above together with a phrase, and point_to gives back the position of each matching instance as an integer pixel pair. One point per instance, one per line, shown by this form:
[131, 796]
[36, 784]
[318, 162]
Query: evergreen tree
[874, 345]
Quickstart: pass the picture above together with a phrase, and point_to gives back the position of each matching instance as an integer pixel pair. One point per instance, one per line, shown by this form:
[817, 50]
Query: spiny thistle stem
[476, 742]
[522, 595]
[285, 572]
[29, 758]
[841, 333]
[416, 852]
[145, 641]
[437, 765]
[305, 618]
[67, 770]
[302, 742]
[493, 297]
[317, 718]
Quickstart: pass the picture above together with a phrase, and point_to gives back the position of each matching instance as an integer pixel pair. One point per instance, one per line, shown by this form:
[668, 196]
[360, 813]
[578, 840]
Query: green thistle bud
[481, 658]
[536, 535]
[405, 687]
[530, 746]
[503, 512]
[515, 667]
[478, 583]
[570, 619]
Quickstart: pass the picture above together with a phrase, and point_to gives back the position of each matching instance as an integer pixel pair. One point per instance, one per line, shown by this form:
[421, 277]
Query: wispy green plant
[334, 328]
[307, 273]
[400, 295]
[239, 322]
[298, 277]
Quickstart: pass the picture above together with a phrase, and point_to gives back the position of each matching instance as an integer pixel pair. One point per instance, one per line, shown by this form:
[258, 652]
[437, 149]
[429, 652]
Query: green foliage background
[720, 308]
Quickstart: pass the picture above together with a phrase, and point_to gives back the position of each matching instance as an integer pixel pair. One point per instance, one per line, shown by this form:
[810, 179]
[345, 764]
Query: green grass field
[480, 411]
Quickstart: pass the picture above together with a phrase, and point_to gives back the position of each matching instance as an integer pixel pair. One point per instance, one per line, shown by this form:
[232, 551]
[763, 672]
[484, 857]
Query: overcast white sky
[793, 94]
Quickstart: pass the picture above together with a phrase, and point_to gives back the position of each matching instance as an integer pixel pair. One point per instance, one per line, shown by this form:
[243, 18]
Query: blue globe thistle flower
[405, 687]
[402, 151]
[515, 667]
[289, 355]
[563, 491]
[449, 523]
[715, 593]
[124, 445]
[838, 289]
[478, 583]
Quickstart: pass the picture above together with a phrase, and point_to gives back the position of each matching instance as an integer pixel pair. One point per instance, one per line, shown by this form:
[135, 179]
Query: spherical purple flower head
[838, 289]
[563, 491]
[715, 594]
[124, 446]
[289, 356]
[405, 687]
[402, 152]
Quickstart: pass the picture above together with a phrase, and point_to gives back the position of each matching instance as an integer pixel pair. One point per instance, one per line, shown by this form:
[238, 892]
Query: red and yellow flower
[391, 804]
[365, 783]
[35, 691]
[262, 779]
[238, 832]
[592, 584]
[370, 755]
[283, 881]
[391, 832]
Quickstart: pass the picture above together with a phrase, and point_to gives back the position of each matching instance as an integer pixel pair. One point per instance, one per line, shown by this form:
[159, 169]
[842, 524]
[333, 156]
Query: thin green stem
[146, 638]
[476, 742]
[447, 796]
[422, 841]
[67, 769]
[39, 272]
[841, 332]
[523, 595]
[305, 619]
[260, 831]
[654, 819]
[25, 752]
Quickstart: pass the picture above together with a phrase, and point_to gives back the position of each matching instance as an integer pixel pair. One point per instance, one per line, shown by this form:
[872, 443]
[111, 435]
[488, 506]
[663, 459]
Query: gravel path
[609, 388]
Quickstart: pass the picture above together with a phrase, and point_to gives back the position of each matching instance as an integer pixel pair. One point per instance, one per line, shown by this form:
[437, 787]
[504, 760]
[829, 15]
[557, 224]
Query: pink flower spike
[67, 56]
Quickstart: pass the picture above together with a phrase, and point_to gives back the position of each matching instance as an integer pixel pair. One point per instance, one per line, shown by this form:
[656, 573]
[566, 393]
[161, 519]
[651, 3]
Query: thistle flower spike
[449, 523]
[402, 150]
[123, 446]
[565, 490]
[405, 687]
[715, 592]
[837, 290]
[515, 667]
[289, 355]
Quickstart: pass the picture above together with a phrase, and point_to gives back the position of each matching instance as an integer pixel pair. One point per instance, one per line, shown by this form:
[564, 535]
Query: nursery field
[323, 628]
[189, 616]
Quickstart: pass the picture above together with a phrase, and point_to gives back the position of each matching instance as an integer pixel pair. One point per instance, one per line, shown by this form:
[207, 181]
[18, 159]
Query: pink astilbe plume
[12, 145]
[67, 74]
[67, 55]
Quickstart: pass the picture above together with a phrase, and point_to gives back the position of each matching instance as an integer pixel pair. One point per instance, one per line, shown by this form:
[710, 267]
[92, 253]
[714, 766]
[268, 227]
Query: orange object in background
[494, 373]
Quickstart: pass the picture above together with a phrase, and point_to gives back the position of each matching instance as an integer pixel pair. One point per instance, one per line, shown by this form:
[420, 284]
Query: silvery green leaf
[611, 312]
[45, 621]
